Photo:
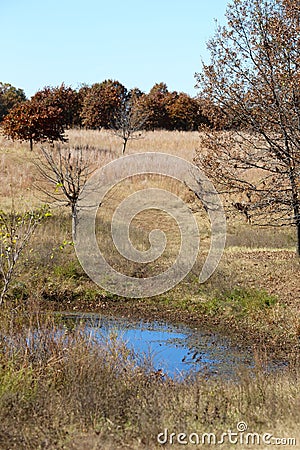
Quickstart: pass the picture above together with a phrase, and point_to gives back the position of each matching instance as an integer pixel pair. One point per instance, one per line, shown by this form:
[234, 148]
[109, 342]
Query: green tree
[254, 77]
[9, 97]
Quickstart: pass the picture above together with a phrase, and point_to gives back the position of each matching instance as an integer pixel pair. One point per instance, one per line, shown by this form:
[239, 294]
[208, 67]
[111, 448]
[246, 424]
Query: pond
[176, 350]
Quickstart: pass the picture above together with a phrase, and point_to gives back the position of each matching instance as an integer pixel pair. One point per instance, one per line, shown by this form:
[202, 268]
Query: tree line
[106, 105]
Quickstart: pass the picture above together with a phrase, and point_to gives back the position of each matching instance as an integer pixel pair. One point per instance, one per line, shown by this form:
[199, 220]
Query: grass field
[54, 394]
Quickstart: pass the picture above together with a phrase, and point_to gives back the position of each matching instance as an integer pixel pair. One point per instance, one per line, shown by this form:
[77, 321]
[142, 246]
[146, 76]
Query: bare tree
[253, 82]
[128, 123]
[67, 169]
[15, 231]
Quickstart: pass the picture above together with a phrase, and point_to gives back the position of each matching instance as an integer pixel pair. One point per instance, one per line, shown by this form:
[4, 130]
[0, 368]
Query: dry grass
[18, 173]
[178, 143]
[254, 256]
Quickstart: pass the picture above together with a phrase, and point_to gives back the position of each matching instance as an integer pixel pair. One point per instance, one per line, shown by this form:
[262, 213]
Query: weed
[241, 301]
[71, 270]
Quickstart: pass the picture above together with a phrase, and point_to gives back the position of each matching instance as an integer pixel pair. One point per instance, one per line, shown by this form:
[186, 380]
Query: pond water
[176, 350]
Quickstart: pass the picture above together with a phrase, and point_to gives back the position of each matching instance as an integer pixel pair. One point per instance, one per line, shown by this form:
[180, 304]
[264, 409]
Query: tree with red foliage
[170, 110]
[64, 98]
[253, 78]
[185, 112]
[34, 121]
[100, 103]
[153, 106]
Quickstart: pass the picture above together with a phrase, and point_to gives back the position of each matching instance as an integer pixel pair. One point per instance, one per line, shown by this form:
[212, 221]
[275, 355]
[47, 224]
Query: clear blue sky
[139, 43]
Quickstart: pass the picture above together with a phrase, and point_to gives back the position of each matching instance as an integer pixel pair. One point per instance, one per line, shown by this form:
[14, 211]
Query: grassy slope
[255, 293]
[255, 260]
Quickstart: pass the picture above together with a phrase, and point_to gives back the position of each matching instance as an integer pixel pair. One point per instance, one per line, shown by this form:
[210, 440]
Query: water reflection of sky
[175, 350]
[157, 346]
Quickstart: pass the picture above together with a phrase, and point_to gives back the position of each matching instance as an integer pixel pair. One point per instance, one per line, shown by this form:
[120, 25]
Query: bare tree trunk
[74, 221]
[124, 145]
[4, 290]
[296, 207]
[298, 238]
[7, 279]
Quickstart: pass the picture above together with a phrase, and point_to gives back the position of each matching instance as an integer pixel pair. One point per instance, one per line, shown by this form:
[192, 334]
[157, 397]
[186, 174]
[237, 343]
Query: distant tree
[218, 117]
[34, 121]
[254, 78]
[134, 95]
[154, 106]
[170, 110]
[64, 98]
[82, 93]
[9, 97]
[100, 103]
[185, 112]
[128, 121]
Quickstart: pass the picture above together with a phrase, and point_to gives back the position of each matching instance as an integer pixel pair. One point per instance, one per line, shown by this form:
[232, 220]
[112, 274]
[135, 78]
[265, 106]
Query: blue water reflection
[173, 349]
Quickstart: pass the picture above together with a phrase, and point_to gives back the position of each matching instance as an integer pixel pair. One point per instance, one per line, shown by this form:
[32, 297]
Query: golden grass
[19, 174]
[178, 143]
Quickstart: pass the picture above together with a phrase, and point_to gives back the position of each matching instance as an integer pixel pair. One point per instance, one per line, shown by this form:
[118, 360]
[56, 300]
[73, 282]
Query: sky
[139, 43]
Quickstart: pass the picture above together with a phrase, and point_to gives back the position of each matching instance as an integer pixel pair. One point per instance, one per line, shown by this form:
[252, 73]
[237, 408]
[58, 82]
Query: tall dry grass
[19, 176]
[18, 173]
[178, 143]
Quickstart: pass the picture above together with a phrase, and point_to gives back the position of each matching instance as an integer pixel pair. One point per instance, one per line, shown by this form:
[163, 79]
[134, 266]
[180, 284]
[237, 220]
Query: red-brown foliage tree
[64, 98]
[254, 77]
[170, 110]
[153, 105]
[185, 112]
[34, 121]
[45, 116]
[100, 102]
